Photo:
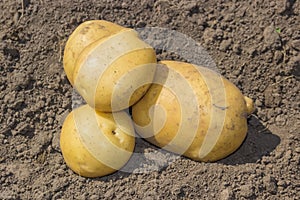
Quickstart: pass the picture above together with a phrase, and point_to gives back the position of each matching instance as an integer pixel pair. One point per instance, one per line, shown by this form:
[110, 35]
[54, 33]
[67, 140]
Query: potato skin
[97, 57]
[84, 35]
[222, 124]
[85, 153]
[235, 125]
[112, 93]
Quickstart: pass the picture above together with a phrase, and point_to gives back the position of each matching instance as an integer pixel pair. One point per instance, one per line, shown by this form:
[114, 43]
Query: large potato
[96, 144]
[109, 66]
[192, 111]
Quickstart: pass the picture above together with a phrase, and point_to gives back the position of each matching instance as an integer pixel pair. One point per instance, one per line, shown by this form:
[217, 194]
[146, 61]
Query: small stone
[271, 38]
[237, 49]
[50, 120]
[280, 120]
[252, 52]
[258, 103]
[20, 80]
[272, 96]
[268, 97]
[278, 57]
[201, 22]
[225, 44]
[226, 194]
[229, 17]
[60, 172]
[278, 154]
[282, 183]
[43, 116]
[219, 34]
[270, 184]
[208, 35]
[288, 155]
[246, 191]
[124, 5]
[16, 17]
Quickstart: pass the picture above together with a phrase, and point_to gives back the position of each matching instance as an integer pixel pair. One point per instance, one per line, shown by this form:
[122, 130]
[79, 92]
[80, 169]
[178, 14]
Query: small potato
[109, 66]
[84, 35]
[96, 144]
[192, 111]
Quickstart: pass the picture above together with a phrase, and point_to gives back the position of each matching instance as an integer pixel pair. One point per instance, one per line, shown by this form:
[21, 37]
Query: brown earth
[255, 44]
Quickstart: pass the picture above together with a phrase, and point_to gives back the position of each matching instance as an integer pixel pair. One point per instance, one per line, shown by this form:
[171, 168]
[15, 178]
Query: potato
[192, 111]
[85, 34]
[96, 144]
[112, 71]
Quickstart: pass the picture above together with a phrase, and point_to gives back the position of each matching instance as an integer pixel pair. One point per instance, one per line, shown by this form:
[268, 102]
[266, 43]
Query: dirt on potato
[255, 44]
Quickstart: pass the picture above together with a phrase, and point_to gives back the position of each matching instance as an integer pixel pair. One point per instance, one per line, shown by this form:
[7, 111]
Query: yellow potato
[96, 144]
[85, 34]
[192, 111]
[111, 72]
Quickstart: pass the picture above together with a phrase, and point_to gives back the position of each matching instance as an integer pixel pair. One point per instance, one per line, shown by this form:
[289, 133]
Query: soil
[255, 44]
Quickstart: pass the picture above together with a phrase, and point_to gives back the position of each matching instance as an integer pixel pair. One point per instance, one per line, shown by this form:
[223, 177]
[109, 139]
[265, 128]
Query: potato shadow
[258, 143]
[148, 158]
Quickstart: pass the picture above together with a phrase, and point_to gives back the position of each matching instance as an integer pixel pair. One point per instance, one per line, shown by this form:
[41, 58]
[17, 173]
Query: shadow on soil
[148, 158]
[258, 143]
